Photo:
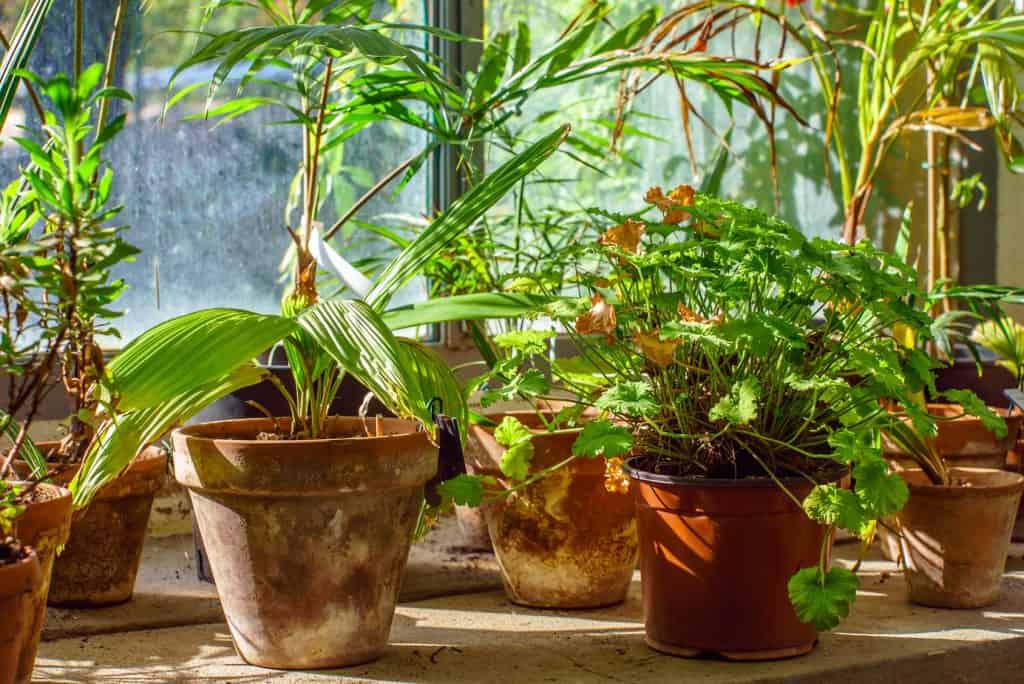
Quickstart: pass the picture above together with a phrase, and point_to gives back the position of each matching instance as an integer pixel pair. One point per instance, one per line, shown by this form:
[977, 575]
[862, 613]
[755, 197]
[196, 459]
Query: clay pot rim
[937, 409]
[1015, 484]
[23, 567]
[521, 413]
[195, 432]
[145, 460]
[641, 475]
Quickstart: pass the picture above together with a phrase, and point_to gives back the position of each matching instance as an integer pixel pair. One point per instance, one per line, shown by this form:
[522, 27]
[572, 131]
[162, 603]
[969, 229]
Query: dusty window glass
[207, 203]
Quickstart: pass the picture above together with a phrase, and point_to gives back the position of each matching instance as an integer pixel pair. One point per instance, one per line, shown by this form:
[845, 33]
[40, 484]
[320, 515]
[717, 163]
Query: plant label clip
[1016, 398]
[450, 461]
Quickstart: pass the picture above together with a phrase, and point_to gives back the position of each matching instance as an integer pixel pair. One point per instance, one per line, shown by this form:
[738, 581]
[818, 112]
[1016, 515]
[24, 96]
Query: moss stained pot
[100, 561]
[19, 582]
[955, 538]
[565, 541]
[716, 556]
[307, 539]
[44, 525]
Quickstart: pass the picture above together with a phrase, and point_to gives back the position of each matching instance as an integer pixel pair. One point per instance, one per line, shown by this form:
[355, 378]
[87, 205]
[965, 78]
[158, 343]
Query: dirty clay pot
[44, 525]
[962, 443]
[307, 539]
[101, 559]
[716, 557]
[565, 541]
[954, 539]
[471, 520]
[19, 582]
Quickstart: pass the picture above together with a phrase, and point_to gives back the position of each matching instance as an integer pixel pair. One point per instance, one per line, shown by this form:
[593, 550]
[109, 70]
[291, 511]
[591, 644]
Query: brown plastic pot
[965, 441]
[44, 525]
[19, 582]
[954, 538]
[565, 541]
[716, 557]
[307, 539]
[101, 558]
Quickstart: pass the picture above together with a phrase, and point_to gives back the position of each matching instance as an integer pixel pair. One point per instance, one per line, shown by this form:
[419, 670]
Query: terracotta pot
[965, 441]
[1015, 464]
[565, 541]
[471, 520]
[954, 539]
[19, 582]
[307, 539]
[44, 525]
[716, 557]
[101, 559]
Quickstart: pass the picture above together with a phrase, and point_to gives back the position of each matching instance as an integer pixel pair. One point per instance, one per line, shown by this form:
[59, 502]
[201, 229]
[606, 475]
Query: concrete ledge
[168, 594]
[482, 638]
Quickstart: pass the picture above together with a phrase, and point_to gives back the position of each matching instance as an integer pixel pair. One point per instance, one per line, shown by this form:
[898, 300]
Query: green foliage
[739, 407]
[832, 505]
[10, 507]
[881, 492]
[631, 398]
[525, 341]
[601, 438]
[974, 406]
[823, 599]
[464, 490]
[518, 442]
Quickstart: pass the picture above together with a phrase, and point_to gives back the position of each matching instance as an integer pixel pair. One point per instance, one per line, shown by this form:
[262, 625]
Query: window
[206, 202]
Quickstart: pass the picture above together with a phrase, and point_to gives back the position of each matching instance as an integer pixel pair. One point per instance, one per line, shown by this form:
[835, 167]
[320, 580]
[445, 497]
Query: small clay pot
[100, 561]
[19, 582]
[566, 541]
[307, 539]
[44, 525]
[964, 442]
[471, 520]
[954, 538]
[1015, 464]
[716, 557]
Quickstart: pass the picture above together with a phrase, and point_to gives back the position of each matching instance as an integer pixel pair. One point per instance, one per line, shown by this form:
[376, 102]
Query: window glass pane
[655, 151]
[207, 203]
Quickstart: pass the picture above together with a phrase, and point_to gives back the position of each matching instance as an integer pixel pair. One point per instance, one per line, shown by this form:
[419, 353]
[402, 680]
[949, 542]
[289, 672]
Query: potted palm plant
[744, 359]
[311, 512]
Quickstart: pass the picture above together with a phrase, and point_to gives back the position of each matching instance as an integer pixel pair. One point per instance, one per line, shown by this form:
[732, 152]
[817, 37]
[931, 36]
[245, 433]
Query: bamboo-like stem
[111, 63]
[368, 195]
[79, 20]
[314, 156]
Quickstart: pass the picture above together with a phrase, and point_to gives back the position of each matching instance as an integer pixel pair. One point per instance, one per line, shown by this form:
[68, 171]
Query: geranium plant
[731, 346]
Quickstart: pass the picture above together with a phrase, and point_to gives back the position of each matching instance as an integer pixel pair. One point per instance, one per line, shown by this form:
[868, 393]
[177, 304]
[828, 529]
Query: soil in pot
[566, 541]
[955, 538]
[101, 558]
[44, 525]
[307, 539]
[21, 579]
[716, 556]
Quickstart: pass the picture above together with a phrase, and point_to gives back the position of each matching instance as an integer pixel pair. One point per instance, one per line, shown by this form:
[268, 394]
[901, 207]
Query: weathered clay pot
[565, 541]
[307, 539]
[954, 539]
[471, 520]
[1015, 464]
[964, 442]
[44, 525]
[716, 557]
[19, 582]
[101, 559]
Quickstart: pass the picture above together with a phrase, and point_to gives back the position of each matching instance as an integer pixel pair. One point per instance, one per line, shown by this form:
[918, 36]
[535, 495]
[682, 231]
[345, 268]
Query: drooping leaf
[601, 438]
[820, 599]
[974, 406]
[832, 505]
[464, 490]
[471, 307]
[882, 493]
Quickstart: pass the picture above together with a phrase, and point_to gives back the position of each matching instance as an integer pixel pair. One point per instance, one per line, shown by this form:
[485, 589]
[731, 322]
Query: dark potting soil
[734, 467]
[11, 551]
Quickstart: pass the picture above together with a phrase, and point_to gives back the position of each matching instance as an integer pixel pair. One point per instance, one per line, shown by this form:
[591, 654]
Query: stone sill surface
[481, 637]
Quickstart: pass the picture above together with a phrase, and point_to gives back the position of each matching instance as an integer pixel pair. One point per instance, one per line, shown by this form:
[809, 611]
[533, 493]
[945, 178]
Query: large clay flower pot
[954, 539]
[307, 539]
[19, 582]
[716, 557]
[566, 541]
[44, 525]
[101, 558]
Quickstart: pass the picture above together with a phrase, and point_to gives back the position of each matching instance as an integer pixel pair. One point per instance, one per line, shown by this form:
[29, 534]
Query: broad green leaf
[471, 307]
[526, 341]
[464, 490]
[820, 599]
[739, 407]
[118, 440]
[527, 384]
[361, 344]
[882, 493]
[629, 398]
[601, 438]
[515, 462]
[832, 505]
[188, 352]
[511, 432]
